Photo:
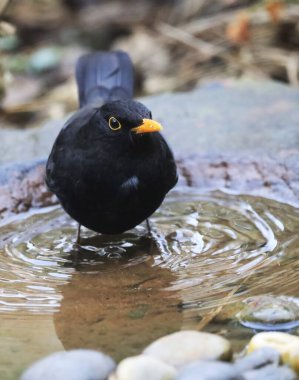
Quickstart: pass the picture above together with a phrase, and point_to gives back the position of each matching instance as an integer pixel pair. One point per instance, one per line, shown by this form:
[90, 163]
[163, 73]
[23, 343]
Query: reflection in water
[119, 292]
[120, 304]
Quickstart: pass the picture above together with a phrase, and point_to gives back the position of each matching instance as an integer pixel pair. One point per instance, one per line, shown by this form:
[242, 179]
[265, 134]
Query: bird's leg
[151, 235]
[78, 240]
[148, 226]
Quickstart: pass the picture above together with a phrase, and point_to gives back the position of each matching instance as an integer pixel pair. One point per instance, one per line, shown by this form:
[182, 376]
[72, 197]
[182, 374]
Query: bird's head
[129, 116]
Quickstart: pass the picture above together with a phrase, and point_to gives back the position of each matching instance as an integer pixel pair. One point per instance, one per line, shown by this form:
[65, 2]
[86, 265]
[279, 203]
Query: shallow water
[118, 293]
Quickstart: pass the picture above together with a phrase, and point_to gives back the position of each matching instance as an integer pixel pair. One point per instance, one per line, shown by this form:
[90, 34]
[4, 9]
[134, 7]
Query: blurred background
[174, 44]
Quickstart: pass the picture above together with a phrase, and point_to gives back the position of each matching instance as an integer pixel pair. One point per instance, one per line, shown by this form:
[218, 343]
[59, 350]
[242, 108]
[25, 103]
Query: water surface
[118, 293]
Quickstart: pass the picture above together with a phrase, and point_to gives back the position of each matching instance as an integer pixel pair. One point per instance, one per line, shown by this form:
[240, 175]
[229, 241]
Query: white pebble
[183, 347]
[143, 367]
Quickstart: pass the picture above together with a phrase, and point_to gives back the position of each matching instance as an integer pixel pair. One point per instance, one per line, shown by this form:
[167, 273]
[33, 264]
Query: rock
[198, 134]
[22, 186]
[143, 367]
[210, 370]
[270, 313]
[71, 365]
[286, 344]
[270, 372]
[263, 364]
[193, 124]
[183, 347]
[28, 144]
[258, 359]
[244, 165]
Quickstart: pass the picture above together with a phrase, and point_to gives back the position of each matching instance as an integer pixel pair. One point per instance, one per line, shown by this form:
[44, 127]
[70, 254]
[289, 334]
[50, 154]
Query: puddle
[118, 293]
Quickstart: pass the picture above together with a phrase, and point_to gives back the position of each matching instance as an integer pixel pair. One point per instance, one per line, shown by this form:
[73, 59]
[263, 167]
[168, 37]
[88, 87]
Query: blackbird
[109, 166]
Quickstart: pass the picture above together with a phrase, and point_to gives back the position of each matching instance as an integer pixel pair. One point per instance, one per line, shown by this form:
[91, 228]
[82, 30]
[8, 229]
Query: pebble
[209, 370]
[184, 355]
[257, 359]
[270, 313]
[270, 372]
[286, 344]
[71, 365]
[143, 367]
[184, 347]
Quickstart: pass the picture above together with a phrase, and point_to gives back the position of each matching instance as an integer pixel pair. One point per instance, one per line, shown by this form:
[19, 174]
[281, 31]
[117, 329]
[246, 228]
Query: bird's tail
[103, 77]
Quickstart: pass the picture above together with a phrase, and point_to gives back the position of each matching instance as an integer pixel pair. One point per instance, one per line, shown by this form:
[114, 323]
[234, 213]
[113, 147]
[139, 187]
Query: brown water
[118, 293]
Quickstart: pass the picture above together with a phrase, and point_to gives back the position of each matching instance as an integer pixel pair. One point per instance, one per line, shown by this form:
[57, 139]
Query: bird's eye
[114, 124]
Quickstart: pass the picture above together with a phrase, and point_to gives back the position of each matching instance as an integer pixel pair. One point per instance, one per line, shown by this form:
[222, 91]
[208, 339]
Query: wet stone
[270, 372]
[258, 359]
[22, 186]
[183, 347]
[286, 344]
[209, 370]
[71, 365]
[270, 313]
[143, 367]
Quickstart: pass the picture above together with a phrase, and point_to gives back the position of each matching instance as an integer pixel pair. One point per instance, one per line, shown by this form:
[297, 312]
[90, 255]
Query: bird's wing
[103, 77]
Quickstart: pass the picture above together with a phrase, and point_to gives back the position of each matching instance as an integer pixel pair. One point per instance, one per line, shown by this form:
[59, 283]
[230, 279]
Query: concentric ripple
[39, 254]
[224, 247]
[216, 245]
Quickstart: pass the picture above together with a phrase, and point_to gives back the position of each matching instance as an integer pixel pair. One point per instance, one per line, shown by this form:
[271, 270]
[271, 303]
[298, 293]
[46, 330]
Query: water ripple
[231, 240]
[212, 242]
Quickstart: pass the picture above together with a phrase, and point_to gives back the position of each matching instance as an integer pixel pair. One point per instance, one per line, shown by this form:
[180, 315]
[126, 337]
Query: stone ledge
[236, 136]
[261, 176]
[22, 185]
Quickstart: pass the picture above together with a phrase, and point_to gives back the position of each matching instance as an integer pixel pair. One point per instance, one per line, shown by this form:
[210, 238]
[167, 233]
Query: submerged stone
[270, 313]
[184, 347]
[71, 365]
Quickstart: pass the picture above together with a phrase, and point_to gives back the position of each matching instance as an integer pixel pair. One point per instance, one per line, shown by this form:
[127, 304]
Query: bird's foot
[78, 238]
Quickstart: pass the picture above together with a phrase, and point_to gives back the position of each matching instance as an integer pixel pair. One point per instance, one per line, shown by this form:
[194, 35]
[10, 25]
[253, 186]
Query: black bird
[109, 166]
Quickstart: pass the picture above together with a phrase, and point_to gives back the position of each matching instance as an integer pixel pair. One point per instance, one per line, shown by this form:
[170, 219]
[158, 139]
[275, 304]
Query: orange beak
[147, 126]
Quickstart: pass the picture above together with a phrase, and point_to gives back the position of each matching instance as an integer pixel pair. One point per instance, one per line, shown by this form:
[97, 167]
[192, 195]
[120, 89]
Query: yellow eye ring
[114, 124]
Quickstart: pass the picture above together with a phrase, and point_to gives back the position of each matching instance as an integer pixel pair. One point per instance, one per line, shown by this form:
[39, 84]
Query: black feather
[103, 77]
[109, 180]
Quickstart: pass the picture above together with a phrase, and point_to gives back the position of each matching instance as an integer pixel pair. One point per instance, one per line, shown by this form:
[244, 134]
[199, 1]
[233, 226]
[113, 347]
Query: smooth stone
[286, 344]
[270, 372]
[183, 347]
[143, 367]
[258, 359]
[270, 313]
[213, 152]
[210, 370]
[229, 118]
[71, 365]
